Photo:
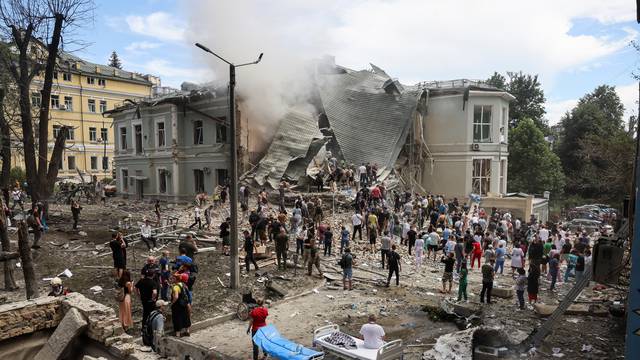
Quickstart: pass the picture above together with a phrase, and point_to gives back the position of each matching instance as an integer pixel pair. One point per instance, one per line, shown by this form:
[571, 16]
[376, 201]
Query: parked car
[588, 225]
[110, 189]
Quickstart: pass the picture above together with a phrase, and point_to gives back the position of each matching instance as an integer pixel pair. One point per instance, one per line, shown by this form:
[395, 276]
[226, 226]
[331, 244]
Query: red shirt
[259, 316]
[477, 248]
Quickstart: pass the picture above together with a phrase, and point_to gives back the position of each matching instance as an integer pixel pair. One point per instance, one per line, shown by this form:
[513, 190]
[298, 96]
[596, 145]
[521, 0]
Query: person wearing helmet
[56, 288]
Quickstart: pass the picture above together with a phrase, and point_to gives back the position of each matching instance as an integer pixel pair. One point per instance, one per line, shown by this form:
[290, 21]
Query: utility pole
[233, 173]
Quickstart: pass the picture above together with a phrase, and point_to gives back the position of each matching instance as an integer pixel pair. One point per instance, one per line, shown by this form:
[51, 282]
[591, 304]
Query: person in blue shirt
[344, 239]
[500, 251]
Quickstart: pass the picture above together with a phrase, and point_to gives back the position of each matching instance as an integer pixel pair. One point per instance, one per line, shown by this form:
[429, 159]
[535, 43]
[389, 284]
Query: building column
[175, 177]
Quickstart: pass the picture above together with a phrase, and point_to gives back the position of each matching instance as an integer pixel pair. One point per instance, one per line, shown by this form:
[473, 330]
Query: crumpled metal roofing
[370, 124]
[297, 140]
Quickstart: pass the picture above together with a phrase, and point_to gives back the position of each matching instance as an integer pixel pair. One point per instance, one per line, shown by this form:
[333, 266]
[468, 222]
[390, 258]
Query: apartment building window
[222, 176]
[125, 180]
[503, 165]
[55, 102]
[481, 176]
[505, 126]
[66, 76]
[94, 163]
[103, 106]
[123, 138]
[71, 162]
[162, 181]
[105, 162]
[91, 80]
[137, 129]
[56, 131]
[104, 135]
[161, 134]
[68, 103]
[55, 75]
[221, 134]
[36, 99]
[92, 105]
[198, 136]
[198, 178]
[481, 123]
[93, 136]
[71, 133]
[102, 82]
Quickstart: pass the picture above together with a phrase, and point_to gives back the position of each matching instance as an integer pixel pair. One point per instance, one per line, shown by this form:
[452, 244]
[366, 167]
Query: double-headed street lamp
[233, 176]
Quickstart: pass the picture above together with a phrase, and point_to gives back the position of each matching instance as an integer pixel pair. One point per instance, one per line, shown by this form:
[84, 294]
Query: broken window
[221, 134]
[481, 123]
[104, 135]
[198, 136]
[161, 134]
[71, 162]
[138, 138]
[36, 99]
[481, 177]
[222, 176]
[162, 181]
[198, 179]
[123, 138]
[92, 134]
[103, 106]
[55, 102]
[94, 163]
[68, 103]
[125, 180]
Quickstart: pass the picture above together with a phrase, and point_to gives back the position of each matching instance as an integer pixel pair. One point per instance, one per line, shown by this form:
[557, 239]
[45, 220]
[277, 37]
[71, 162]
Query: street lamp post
[233, 181]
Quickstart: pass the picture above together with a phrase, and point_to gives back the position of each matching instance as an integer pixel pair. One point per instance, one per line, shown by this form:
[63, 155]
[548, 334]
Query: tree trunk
[30, 282]
[5, 150]
[6, 256]
[9, 265]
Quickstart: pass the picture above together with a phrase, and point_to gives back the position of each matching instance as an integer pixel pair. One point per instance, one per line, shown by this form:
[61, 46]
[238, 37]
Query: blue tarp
[271, 342]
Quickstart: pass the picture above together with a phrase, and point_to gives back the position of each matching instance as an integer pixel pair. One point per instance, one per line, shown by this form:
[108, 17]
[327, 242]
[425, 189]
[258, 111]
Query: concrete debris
[96, 289]
[72, 325]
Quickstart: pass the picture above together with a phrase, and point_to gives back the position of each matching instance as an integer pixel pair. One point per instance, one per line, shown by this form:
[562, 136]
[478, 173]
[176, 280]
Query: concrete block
[466, 309]
[72, 325]
[504, 293]
[485, 353]
[575, 309]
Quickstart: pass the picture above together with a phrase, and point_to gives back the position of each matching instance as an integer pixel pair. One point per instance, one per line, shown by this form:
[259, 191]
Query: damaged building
[172, 146]
[445, 137]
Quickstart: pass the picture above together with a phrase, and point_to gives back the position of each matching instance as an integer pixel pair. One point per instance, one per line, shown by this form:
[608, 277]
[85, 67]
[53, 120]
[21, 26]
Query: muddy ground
[401, 310]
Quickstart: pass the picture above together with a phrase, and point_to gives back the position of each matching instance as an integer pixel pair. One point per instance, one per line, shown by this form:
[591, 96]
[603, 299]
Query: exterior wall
[82, 147]
[179, 157]
[448, 131]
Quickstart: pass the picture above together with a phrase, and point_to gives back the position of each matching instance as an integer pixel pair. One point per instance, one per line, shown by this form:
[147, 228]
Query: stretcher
[388, 351]
[273, 344]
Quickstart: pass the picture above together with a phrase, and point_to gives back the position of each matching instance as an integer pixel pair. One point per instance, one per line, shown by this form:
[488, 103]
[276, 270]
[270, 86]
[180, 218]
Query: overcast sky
[574, 45]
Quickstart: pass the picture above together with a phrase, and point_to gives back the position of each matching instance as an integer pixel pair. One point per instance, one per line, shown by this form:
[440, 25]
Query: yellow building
[82, 91]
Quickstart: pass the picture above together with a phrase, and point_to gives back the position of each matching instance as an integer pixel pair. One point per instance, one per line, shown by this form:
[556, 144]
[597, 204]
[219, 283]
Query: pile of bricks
[29, 316]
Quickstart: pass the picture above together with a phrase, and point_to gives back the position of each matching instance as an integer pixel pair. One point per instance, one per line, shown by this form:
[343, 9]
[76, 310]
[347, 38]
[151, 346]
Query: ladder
[536, 337]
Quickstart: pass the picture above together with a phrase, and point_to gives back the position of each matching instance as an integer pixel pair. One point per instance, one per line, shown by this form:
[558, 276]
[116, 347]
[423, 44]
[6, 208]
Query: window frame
[162, 175]
[196, 177]
[56, 97]
[68, 100]
[103, 106]
[164, 134]
[134, 138]
[69, 162]
[503, 168]
[482, 124]
[91, 80]
[91, 105]
[124, 183]
[56, 131]
[123, 142]
[66, 76]
[222, 139]
[483, 179]
[198, 140]
[38, 102]
[93, 134]
[102, 82]
[93, 159]
[104, 134]
[71, 133]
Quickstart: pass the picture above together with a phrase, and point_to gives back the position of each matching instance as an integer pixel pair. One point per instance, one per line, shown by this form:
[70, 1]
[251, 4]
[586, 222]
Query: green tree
[114, 60]
[533, 167]
[596, 121]
[529, 102]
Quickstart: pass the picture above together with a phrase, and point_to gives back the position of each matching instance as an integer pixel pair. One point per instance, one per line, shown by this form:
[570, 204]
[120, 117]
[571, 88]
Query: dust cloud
[287, 34]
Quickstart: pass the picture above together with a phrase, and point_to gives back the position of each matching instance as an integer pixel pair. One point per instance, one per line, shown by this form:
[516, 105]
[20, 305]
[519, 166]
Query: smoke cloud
[289, 33]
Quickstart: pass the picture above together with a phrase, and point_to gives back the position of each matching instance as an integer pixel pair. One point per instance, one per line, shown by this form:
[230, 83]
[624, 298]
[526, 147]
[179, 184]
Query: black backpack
[183, 298]
[147, 331]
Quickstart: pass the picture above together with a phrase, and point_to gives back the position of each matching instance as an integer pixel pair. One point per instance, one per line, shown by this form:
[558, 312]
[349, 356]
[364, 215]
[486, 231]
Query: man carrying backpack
[180, 305]
[153, 329]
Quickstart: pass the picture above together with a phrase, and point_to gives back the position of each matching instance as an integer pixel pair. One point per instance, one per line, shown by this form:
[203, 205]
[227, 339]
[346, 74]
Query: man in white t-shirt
[372, 333]
[356, 221]
[543, 233]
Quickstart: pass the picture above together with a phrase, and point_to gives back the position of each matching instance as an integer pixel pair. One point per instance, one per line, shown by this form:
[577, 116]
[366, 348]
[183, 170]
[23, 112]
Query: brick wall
[25, 317]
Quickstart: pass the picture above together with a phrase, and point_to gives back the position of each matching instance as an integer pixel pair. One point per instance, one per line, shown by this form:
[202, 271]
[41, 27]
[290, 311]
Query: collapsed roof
[361, 116]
